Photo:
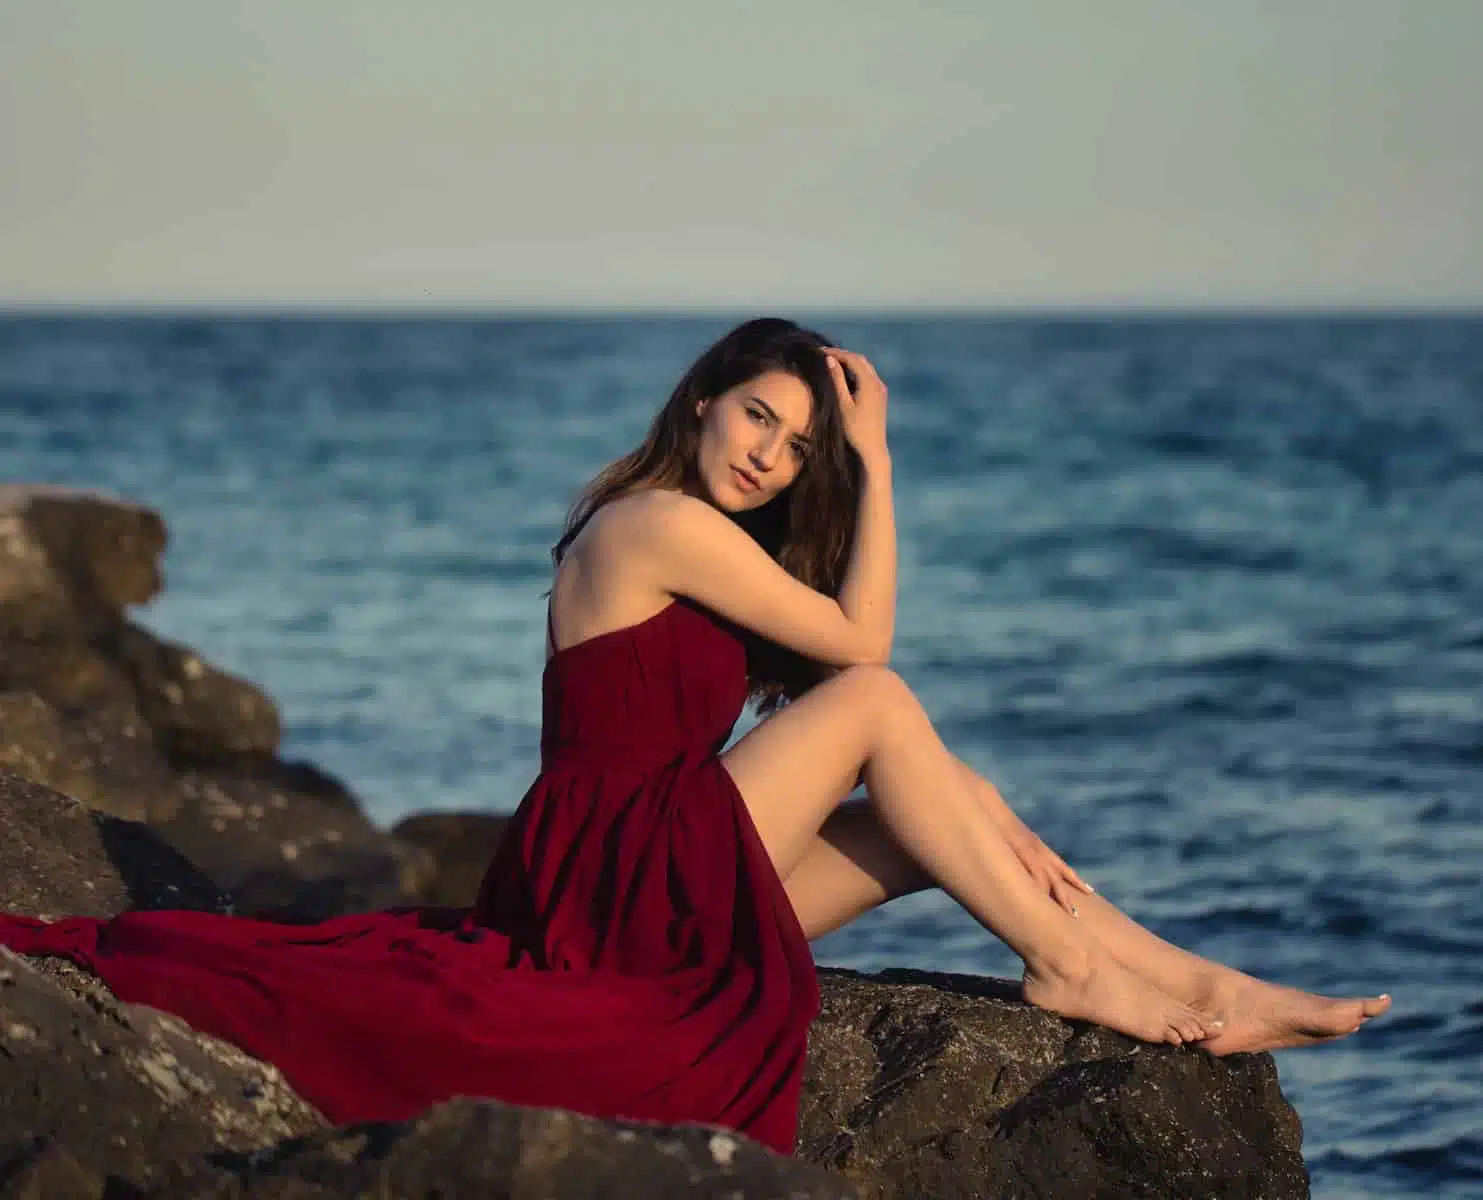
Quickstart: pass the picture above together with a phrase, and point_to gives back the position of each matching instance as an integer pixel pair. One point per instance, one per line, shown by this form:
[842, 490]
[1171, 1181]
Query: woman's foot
[1266, 1016]
[1107, 993]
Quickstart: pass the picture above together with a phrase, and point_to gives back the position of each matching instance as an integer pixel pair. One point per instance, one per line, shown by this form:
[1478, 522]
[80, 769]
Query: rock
[949, 1086]
[34, 743]
[113, 760]
[70, 675]
[286, 853]
[94, 1092]
[104, 757]
[135, 780]
[461, 845]
[196, 711]
[60, 858]
[483, 1148]
[71, 561]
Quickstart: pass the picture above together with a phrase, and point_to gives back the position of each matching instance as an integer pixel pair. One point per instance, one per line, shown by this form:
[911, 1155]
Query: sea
[1202, 594]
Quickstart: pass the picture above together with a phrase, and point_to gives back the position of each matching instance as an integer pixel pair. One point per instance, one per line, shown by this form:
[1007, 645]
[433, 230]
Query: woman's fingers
[1051, 872]
[841, 384]
[1069, 873]
[1076, 880]
[864, 369]
[1063, 896]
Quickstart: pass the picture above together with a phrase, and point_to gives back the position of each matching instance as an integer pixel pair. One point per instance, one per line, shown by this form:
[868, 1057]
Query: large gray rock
[72, 561]
[290, 842]
[104, 756]
[950, 1086]
[94, 1091]
[197, 712]
[483, 1148]
[34, 743]
[59, 857]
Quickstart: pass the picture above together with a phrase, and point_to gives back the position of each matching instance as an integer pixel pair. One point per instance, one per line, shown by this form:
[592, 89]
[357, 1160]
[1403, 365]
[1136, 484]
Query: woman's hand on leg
[1047, 868]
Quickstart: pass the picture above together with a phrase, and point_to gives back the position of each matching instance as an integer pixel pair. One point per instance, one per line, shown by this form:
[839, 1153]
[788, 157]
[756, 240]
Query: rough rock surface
[60, 858]
[120, 1089]
[482, 1148]
[949, 1086]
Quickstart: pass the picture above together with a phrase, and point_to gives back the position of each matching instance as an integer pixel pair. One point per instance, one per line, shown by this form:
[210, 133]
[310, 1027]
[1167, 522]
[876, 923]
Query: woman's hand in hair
[864, 412]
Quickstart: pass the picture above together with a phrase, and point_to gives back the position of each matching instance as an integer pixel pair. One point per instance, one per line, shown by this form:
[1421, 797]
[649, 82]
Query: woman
[639, 944]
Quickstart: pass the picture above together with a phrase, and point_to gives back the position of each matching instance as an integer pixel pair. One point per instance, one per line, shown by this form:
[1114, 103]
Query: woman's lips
[745, 481]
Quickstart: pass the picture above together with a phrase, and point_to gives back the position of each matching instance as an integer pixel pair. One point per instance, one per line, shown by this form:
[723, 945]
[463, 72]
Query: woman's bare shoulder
[643, 516]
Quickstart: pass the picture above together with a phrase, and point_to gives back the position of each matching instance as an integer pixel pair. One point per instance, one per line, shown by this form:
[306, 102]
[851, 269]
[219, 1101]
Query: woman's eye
[800, 452]
[756, 415]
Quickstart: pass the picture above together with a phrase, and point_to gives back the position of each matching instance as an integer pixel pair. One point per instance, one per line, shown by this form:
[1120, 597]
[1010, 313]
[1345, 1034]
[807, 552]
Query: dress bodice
[643, 695]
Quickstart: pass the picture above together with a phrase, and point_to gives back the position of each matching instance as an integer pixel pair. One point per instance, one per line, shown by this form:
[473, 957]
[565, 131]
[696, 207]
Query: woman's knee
[878, 689]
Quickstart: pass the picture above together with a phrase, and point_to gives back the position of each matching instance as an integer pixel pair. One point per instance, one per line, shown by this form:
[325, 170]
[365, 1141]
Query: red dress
[632, 952]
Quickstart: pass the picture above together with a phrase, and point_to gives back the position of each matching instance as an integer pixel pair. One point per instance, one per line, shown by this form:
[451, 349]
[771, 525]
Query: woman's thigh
[798, 765]
[853, 865]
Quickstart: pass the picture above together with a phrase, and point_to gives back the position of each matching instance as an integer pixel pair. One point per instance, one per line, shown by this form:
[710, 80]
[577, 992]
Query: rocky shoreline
[133, 773]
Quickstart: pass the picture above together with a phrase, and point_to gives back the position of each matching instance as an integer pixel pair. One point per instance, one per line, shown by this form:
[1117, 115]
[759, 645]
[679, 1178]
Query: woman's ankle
[1065, 966]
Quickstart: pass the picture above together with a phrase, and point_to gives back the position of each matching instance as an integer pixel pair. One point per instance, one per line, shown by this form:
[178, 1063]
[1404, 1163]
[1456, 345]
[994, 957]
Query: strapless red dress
[632, 952]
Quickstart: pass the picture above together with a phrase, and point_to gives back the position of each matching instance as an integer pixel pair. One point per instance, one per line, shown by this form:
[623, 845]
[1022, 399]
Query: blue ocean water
[1203, 596]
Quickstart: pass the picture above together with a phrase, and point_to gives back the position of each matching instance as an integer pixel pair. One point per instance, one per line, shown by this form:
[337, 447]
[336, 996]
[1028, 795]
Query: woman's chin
[729, 498]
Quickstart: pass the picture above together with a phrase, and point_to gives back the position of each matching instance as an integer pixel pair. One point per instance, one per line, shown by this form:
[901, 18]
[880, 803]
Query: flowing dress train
[631, 953]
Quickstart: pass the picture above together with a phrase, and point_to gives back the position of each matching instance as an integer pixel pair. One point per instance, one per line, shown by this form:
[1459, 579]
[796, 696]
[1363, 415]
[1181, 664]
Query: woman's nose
[765, 454]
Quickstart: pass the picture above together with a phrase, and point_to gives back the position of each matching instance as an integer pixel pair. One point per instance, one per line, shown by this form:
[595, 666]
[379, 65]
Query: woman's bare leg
[1257, 1015]
[789, 771]
[855, 864]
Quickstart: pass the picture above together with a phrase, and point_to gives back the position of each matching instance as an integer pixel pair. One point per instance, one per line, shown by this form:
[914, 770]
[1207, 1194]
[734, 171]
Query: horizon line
[578, 311]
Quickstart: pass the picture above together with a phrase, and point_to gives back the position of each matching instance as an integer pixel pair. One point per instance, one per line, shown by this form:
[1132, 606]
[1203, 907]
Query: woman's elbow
[875, 653]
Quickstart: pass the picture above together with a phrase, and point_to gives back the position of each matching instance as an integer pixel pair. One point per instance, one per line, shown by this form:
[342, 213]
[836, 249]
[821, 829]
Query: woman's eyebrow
[772, 412]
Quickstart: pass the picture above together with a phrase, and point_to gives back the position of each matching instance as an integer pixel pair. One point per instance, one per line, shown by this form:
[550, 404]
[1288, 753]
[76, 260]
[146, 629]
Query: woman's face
[754, 440]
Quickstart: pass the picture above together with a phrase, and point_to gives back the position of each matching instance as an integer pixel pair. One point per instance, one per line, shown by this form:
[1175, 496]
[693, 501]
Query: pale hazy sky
[677, 153]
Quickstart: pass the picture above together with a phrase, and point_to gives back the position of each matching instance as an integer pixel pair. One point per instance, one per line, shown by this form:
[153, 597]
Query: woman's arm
[868, 593]
[684, 547]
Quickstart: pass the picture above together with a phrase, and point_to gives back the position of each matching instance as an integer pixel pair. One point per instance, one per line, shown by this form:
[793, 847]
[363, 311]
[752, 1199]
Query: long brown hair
[808, 529]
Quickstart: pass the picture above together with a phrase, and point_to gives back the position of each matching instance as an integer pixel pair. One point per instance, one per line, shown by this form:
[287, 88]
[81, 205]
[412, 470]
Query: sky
[675, 154]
